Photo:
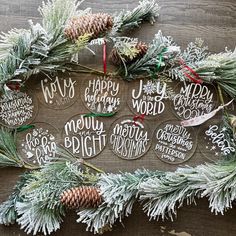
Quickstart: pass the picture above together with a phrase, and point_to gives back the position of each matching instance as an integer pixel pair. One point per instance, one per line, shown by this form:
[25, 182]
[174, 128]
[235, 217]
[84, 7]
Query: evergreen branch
[193, 54]
[162, 196]
[8, 213]
[161, 49]
[119, 192]
[39, 208]
[9, 40]
[126, 47]
[8, 151]
[55, 14]
[41, 48]
[220, 69]
[147, 10]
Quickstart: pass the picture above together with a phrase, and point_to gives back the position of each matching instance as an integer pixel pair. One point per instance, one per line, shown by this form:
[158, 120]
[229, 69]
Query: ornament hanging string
[196, 79]
[13, 86]
[99, 114]
[105, 57]
[138, 117]
[202, 119]
[160, 59]
[24, 127]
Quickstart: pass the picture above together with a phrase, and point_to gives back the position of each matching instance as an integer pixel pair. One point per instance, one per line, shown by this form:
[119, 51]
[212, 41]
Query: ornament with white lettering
[214, 143]
[58, 92]
[38, 145]
[148, 97]
[84, 136]
[102, 94]
[129, 139]
[17, 108]
[174, 143]
[192, 100]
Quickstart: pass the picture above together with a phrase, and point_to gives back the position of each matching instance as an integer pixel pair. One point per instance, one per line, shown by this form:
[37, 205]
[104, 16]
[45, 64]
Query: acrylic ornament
[193, 99]
[17, 108]
[59, 91]
[173, 143]
[214, 142]
[84, 136]
[37, 145]
[148, 97]
[129, 138]
[103, 94]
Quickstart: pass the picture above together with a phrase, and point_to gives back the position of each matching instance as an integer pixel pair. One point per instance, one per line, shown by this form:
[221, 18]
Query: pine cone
[115, 58]
[85, 197]
[94, 24]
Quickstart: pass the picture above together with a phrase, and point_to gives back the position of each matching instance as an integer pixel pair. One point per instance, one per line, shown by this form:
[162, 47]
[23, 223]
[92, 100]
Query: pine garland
[147, 10]
[35, 204]
[45, 48]
[220, 69]
[8, 151]
[38, 206]
[161, 49]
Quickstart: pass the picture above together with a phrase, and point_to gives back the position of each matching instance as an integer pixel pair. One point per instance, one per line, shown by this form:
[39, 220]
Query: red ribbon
[197, 78]
[105, 57]
[13, 86]
[138, 117]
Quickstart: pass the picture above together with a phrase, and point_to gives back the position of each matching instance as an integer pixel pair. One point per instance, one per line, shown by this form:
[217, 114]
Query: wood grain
[212, 20]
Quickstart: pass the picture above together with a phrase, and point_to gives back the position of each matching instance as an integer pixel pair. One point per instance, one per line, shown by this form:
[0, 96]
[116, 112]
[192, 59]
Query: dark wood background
[212, 20]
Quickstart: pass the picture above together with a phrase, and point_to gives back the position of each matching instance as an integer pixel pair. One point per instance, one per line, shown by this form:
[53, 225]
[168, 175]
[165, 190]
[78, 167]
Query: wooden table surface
[212, 20]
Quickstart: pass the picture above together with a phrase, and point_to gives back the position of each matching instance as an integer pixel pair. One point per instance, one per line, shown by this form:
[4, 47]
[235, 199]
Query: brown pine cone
[85, 197]
[94, 24]
[116, 60]
[142, 48]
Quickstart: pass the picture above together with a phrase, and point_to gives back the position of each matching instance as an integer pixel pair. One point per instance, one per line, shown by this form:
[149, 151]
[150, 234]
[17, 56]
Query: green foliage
[39, 208]
[147, 10]
[159, 51]
[8, 213]
[41, 48]
[119, 192]
[126, 47]
[8, 151]
[162, 196]
[55, 14]
[9, 40]
[195, 52]
[220, 69]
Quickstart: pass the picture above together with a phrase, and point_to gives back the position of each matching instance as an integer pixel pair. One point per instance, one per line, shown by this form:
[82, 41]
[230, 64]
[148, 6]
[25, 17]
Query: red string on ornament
[13, 86]
[138, 117]
[197, 78]
[105, 57]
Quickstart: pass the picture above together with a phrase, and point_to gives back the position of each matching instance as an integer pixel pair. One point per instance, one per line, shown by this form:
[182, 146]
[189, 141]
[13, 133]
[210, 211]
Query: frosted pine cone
[94, 24]
[85, 197]
[115, 57]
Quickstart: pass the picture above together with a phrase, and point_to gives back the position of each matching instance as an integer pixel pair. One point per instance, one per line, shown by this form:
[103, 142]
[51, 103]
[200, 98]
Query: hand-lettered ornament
[58, 92]
[103, 94]
[17, 108]
[148, 97]
[84, 136]
[213, 141]
[129, 139]
[174, 143]
[38, 145]
[193, 99]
